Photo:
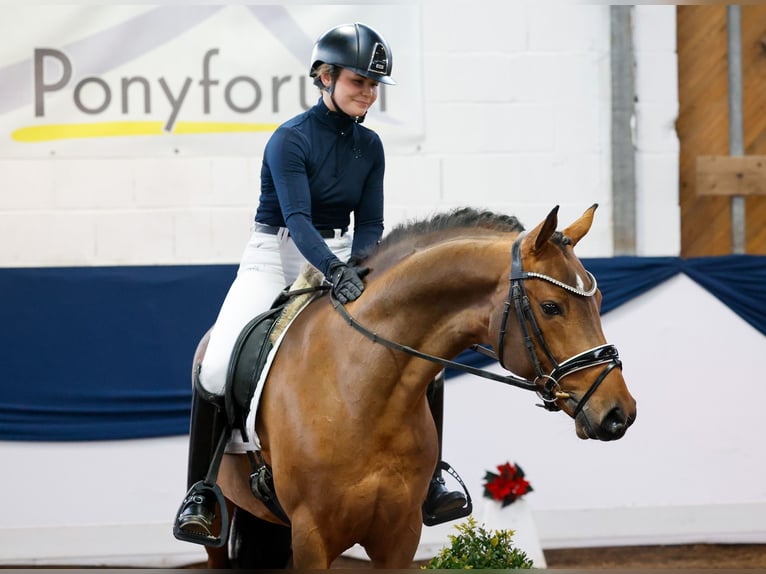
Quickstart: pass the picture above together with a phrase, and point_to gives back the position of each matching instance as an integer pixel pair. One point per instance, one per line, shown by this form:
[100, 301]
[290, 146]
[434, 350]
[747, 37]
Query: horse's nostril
[615, 423]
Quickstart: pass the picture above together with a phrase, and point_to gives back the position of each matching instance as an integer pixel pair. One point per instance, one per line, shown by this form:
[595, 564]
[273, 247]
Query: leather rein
[545, 385]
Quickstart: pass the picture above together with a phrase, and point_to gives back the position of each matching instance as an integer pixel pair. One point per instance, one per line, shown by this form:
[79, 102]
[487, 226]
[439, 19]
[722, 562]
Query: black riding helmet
[356, 47]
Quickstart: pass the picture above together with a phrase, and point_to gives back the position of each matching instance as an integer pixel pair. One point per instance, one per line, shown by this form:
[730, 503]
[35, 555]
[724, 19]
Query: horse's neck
[439, 299]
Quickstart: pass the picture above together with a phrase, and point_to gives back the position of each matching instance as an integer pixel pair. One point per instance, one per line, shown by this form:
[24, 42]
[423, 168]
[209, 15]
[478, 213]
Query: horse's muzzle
[611, 426]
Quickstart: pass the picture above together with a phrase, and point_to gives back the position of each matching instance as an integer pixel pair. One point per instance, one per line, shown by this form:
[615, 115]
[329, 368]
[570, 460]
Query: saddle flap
[247, 360]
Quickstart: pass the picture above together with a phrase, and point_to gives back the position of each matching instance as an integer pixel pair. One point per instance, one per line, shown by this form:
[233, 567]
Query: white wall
[658, 213]
[517, 119]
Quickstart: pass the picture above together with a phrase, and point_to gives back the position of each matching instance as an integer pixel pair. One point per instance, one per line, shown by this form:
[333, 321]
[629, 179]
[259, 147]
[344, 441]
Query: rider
[317, 169]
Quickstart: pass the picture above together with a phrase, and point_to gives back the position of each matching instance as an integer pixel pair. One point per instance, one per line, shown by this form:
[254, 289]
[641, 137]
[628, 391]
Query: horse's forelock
[560, 239]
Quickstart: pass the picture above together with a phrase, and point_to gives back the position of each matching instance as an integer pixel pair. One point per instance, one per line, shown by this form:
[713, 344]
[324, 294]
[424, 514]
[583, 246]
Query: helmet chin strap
[331, 90]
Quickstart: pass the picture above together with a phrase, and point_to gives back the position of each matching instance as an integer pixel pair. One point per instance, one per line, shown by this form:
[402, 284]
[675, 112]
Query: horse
[343, 419]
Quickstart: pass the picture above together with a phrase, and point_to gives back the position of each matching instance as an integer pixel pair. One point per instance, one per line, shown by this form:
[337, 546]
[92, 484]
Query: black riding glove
[347, 282]
[354, 261]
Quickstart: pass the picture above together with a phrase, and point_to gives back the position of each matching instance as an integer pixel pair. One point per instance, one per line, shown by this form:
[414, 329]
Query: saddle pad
[236, 444]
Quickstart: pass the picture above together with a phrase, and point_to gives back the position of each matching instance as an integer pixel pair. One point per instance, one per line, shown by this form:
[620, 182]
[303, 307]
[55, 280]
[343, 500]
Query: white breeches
[269, 264]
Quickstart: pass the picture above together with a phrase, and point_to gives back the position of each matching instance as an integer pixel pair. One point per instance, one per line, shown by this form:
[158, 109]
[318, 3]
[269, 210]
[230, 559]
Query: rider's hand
[347, 282]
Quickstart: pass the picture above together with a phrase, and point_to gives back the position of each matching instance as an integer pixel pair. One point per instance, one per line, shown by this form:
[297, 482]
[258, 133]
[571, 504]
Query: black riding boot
[208, 435]
[441, 505]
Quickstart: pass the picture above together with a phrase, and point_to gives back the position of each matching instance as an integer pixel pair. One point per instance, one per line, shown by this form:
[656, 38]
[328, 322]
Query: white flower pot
[517, 516]
[490, 513]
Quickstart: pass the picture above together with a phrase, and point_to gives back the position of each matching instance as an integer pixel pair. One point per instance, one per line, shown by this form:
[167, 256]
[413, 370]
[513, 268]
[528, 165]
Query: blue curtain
[102, 353]
[105, 353]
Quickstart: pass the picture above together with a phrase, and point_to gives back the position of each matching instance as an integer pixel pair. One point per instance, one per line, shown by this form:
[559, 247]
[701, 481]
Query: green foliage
[477, 548]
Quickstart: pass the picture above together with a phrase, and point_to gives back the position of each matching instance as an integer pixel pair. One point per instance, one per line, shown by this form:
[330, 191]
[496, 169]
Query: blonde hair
[323, 68]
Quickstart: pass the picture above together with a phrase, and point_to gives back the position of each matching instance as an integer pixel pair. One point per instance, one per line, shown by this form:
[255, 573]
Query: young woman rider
[318, 168]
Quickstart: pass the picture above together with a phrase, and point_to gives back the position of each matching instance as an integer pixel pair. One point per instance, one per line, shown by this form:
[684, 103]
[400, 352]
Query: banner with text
[134, 80]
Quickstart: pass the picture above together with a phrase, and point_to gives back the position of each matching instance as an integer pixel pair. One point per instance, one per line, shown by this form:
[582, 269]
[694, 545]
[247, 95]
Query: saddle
[248, 359]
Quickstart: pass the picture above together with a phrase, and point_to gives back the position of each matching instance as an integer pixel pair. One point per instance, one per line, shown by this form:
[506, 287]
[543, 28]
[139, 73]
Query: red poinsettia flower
[508, 485]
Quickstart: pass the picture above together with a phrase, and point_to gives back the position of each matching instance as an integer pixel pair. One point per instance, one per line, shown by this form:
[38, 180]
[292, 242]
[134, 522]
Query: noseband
[545, 385]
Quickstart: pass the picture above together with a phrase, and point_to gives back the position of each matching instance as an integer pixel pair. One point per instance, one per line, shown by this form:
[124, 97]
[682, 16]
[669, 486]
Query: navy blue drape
[102, 353]
[105, 353]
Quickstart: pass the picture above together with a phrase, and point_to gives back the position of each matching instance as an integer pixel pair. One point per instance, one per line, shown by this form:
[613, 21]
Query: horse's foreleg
[396, 557]
[310, 548]
[310, 552]
[396, 549]
[218, 558]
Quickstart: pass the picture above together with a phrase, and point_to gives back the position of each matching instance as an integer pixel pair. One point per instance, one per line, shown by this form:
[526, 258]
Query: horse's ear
[546, 229]
[579, 228]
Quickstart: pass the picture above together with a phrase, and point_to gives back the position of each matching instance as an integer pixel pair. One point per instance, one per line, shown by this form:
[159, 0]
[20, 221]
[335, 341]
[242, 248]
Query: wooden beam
[731, 175]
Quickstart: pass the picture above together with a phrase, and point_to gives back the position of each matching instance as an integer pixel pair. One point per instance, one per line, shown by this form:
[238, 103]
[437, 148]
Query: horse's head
[553, 313]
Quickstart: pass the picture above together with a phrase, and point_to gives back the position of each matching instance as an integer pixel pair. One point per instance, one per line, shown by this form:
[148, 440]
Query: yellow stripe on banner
[220, 127]
[33, 134]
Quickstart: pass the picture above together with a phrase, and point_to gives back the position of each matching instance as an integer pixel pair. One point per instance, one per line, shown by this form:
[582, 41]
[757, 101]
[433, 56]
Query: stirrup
[212, 540]
[432, 519]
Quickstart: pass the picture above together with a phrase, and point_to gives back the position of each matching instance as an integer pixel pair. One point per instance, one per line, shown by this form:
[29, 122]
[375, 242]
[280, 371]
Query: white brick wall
[516, 100]
[658, 212]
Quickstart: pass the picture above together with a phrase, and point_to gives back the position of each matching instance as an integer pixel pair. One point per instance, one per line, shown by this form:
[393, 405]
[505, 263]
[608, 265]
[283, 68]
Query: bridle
[546, 386]
[551, 388]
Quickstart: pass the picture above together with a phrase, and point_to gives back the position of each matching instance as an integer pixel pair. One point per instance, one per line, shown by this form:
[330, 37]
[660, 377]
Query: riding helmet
[356, 47]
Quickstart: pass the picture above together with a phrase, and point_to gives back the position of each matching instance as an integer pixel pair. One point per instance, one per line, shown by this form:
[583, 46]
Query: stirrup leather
[208, 488]
[431, 519]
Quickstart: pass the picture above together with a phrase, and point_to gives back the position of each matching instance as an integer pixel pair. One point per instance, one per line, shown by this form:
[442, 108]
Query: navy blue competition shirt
[318, 168]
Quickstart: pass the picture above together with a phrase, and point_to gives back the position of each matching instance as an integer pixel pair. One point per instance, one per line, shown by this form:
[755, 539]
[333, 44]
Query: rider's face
[353, 93]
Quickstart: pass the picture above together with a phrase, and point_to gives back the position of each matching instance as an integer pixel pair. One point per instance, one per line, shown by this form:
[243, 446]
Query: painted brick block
[171, 182]
[658, 215]
[564, 176]
[488, 128]
[493, 77]
[656, 77]
[412, 180]
[45, 239]
[498, 26]
[25, 184]
[234, 182]
[654, 28]
[86, 184]
[581, 128]
[567, 27]
[134, 238]
[480, 180]
[211, 235]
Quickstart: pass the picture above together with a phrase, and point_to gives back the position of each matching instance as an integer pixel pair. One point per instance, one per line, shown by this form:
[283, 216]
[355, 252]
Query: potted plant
[475, 547]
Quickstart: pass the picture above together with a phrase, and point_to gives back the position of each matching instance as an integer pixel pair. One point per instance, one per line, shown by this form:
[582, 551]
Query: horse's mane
[403, 238]
[459, 218]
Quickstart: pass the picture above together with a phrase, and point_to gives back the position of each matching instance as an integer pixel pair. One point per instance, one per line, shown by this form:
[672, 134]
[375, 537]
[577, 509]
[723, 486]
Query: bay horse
[343, 419]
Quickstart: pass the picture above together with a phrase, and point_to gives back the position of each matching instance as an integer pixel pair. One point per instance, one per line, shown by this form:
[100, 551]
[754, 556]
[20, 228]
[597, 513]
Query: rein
[511, 379]
[549, 391]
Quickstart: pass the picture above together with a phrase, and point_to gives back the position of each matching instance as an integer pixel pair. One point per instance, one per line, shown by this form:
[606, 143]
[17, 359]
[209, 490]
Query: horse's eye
[550, 308]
